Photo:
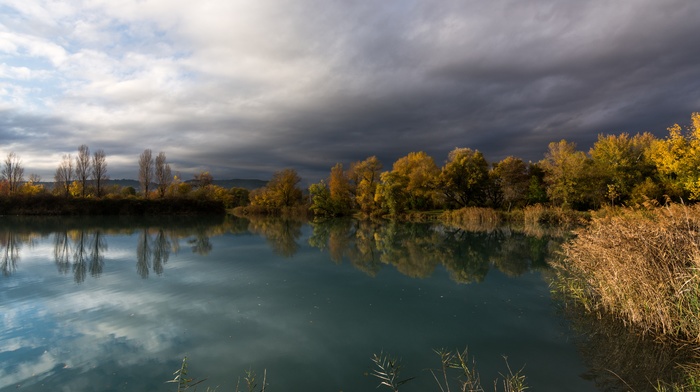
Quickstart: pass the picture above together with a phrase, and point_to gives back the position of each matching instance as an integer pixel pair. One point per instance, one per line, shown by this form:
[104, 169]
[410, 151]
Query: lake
[113, 304]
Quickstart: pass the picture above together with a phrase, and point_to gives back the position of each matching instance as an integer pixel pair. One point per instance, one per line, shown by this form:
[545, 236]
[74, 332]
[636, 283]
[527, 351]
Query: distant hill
[249, 184]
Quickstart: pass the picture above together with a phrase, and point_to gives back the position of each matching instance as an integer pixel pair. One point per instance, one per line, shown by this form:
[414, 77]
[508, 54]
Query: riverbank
[57, 205]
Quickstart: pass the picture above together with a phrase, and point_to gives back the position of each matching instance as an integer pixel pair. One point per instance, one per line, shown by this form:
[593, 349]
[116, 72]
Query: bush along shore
[47, 204]
[642, 268]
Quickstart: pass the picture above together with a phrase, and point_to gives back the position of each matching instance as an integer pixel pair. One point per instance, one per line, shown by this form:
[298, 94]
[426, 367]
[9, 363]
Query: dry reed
[642, 267]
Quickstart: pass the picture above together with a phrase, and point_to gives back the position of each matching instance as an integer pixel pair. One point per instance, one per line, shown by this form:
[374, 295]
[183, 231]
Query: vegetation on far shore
[617, 170]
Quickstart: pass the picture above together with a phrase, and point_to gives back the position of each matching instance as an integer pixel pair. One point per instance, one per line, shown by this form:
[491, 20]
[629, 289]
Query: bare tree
[99, 170]
[82, 167]
[13, 172]
[146, 171]
[164, 176]
[64, 174]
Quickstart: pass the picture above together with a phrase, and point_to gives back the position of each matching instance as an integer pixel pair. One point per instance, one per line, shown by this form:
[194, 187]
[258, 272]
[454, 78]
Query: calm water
[115, 304]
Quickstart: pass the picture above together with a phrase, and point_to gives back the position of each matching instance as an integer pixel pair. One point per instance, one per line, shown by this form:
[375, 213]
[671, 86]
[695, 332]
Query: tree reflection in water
[79, 244]
[280, 233]
[11, 244]
[416, 249]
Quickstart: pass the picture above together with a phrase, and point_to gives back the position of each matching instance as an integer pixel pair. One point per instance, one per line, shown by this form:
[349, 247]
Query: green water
[114, 304]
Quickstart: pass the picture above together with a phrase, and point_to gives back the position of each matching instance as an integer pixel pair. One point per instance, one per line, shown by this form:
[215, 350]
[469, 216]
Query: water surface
[111, 304]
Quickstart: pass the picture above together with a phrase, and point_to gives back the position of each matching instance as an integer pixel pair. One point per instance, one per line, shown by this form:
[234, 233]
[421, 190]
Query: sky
[246, 88]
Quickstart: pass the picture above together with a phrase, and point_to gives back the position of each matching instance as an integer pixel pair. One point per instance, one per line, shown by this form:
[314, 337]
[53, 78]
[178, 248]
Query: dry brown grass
[642, 267]
[564, 217]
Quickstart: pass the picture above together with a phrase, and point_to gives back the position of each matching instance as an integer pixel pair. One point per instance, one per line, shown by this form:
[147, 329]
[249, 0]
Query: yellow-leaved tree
[677, 158]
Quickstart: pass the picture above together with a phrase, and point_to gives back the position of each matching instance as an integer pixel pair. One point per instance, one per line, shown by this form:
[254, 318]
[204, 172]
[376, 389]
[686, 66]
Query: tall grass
[541, 215]
[642, 267]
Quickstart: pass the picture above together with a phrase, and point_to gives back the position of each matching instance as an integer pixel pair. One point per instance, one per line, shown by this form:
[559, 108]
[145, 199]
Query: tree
[565, 173]
[620, 163]
[164, 176]
[364, 178]
[82, 167]
[99, 171]
[677, 158]
[340, 189]
[64, 174]
[420, 174]
[464, 177]
[391, 193]
[284, 187]
[31, 187]
[536, 189]
[146, 171]
[280, 192]
[512, 180]
[203, 179]
[13, 172]
[334, 197]
[321, 203]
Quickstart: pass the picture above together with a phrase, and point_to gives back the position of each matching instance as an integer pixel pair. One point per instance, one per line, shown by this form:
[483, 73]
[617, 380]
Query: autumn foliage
[618, 170]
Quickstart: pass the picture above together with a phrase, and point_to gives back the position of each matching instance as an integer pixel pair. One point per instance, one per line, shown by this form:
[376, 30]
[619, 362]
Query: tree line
[86, 176]
[618, 170]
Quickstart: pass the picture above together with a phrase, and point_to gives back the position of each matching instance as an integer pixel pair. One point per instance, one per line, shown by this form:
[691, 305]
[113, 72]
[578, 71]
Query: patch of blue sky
[8, 13]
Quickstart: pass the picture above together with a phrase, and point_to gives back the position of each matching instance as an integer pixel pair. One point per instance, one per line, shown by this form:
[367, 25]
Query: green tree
[321, 203]
[536, 190]
[391, 193]
[241, 196]
[621, 163]
[334, 197]
[464, 178]
[565, 174]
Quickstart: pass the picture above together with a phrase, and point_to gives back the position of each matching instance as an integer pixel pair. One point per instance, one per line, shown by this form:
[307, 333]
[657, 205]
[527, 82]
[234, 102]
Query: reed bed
[538, 214]
[641, 267]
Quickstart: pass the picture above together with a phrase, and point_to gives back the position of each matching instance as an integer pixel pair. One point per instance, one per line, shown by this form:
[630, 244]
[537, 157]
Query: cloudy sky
[245, 88]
